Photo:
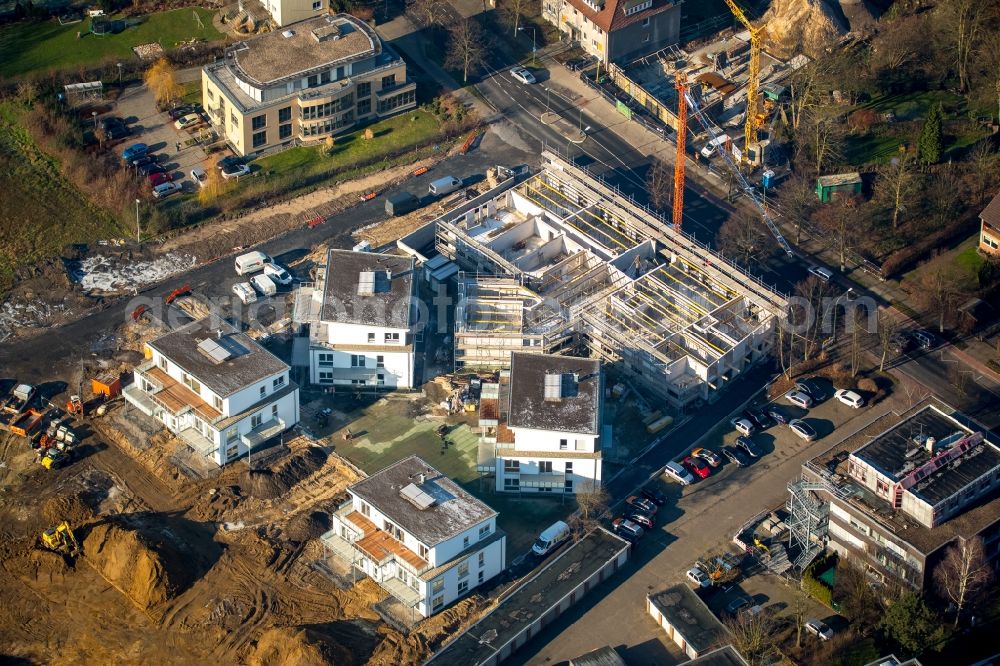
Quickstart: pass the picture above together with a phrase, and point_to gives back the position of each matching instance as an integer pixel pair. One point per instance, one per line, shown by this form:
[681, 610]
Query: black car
[758, 417]
[181, 111]
[748, 446]
[642, 519]
[115, 132]
[143, 160]
[654, 496]
[228, 163]
[810, 389]
[777, 415]
[626, 534]
[151, 168]
[735, 456]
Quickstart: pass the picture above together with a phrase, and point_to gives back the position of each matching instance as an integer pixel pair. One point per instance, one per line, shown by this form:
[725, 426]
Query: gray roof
[724, 656]
[578, 410]
[390, 305]
[605, 656]
[690, 617]
[991, 214]
[453, 512]
[247, 364]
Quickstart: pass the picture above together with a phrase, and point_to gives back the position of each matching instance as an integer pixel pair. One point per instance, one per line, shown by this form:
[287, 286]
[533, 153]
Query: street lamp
[533, 64]
[93, 114]
[120, 66]
[836, 304]
[138, 234]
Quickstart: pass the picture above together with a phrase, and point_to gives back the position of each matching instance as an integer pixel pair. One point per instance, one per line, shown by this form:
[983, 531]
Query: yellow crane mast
[750, 123]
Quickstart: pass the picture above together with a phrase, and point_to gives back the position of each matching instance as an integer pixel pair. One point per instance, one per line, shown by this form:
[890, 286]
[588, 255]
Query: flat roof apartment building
[216, 388]
[309, 81]
[899, 492]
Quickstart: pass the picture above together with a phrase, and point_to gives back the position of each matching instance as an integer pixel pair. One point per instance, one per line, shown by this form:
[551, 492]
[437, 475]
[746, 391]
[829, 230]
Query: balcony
[401, 591]
[263, 432]
[172, 396]
[140, 399]
[198, 442]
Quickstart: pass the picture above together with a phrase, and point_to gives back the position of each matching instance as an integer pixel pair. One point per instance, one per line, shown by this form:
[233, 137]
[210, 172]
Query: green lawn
[914, 105]
[42, 212]
[962, 265]
[41, 46]
[392, 134]
[868, 148]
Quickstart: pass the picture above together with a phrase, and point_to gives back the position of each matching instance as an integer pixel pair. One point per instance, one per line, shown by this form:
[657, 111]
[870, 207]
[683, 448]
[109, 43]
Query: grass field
[42, 46]
[392, 134]
[42, 212]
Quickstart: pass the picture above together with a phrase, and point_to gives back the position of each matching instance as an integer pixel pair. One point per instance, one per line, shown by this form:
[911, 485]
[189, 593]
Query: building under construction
[562, 263]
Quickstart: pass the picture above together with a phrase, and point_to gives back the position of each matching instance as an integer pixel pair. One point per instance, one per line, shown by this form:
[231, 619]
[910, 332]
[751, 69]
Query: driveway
[154, 128]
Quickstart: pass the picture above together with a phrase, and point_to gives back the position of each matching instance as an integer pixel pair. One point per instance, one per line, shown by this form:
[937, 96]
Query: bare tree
[27, 92]
[513, 10]
[820, 137]
[746, 238]
[897, 183]
[101, 135]
[844, 222]
[467, 47]
[857, 327]
[428, 12]
[798, 201]
[962, 22]
[939, 291]
[753, 636]
[888, 327]
[660, 184]
[963, 573]
[592, 498]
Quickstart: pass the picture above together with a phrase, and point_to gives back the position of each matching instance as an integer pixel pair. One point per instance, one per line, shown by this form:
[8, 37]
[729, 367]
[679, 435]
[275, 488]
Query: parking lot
[137, 107]
[698, 519]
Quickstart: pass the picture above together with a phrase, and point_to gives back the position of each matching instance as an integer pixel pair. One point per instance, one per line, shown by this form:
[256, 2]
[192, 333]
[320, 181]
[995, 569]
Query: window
[263, 391]
[233, 120]
[258, 122]
[990, 242]
[364, 107]
[568, 486]
[357, 361]
[393, 530]
[581, 445]
[563, 444]
[388, 81]
[465, 542]
[313, 81]
[284, 131]
[380, 361]
[882, 487]
[482, 577]
[512, 465]
[285, 114]
[569, 468]
[422, 551]
[365, 509]
[371, 338]
[163, 363]
[325, 359]
[324, 77]
[484, 532]
[635, 9]
[192, 383]
[510, 483]
[256, 419]
[392, 338]
[438, 602]
[364, 89]
[396, 101]
[544, 466]
[380, 380]
[482, 560]
[340, 72]
[463, 569]
[259, 139]
[325, 377]
[645, 22]
[437, 585]
[217, 402]
[317, 5]
[278, 382]
[274, 411]
[463, 586]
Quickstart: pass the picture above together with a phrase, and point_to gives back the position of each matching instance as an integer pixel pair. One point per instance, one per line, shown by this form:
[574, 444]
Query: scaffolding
[808, 517]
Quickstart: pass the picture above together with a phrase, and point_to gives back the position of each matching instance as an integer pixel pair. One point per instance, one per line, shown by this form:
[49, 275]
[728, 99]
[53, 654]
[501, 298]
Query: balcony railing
[263, 432]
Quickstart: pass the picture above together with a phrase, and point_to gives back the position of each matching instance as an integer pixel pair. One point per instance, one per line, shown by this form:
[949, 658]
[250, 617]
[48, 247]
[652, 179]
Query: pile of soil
[298, 647]
[811, 26]
[267, 484]
[71, 508]
[305, 526]
[145, 573]
[217, 505]
[46, 566]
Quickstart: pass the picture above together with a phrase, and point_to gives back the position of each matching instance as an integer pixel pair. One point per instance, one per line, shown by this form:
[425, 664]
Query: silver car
[819, 629]
[523, 75]
[802, 429]
[799, 399]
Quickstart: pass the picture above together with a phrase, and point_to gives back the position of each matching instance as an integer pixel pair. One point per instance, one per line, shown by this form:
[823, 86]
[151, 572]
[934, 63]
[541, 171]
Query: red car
[697, 466]
[159, 178]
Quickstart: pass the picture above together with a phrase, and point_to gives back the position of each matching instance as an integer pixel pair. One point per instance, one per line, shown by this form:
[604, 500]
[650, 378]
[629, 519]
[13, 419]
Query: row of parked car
[639, 514]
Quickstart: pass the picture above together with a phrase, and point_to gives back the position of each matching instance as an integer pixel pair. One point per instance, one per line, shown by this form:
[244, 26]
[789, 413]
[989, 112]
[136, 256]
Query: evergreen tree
[931, 137]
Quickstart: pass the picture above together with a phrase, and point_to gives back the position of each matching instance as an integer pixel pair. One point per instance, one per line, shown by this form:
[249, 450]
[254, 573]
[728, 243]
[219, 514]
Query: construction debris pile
[812, 26]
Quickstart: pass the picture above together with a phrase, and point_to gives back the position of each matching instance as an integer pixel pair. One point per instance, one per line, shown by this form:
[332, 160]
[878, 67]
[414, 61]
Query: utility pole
[138, 233]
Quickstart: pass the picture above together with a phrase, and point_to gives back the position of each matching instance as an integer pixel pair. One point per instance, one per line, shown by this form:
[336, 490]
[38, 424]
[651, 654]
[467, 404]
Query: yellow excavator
[60, 539]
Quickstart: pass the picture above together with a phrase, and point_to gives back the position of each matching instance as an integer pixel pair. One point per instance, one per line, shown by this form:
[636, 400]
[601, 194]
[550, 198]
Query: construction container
[109, 385]
[659, 424]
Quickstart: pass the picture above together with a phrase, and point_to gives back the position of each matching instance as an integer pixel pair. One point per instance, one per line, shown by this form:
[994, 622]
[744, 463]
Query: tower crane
[750, 122]
[680, 81]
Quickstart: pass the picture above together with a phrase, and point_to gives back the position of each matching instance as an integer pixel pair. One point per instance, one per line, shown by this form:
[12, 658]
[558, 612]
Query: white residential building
[218, 390]
[541, 426]
[362, 333]
[290, 11]
[418, 535]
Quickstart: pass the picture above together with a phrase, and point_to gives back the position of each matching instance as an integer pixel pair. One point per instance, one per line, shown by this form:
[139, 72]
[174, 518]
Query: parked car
[277, 273]
[640, 519]
[108, 122]
[739, 604]
[677, 472]
[641, 504]
[159, 178]
[802, 429]
[150, 168]
[824, 274]
[925, 339]
[698, 577]
[849, 398]
[777, 415]
[235, 170]
[189, 120]
[180, 111]
[743, 426]
[626, 529]
[654, 496]
[810, 389]
[799, 399]
[551, 538]
[199, 176]
[134, 151]
[735, 456]
[523, 75]
[707, 456]
[758, 417]
[749, 447]
[697, 466]
[143, 160]
[819, 629]
[164, 190]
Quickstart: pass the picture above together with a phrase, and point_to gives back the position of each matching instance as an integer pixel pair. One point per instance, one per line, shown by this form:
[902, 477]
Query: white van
[709, 148]
[264, 285]
[550, 539]
[251, 262]
[245, 292]
[443, 186]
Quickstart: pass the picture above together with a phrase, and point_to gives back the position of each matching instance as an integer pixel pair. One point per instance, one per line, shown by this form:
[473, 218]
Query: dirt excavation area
[177, 570]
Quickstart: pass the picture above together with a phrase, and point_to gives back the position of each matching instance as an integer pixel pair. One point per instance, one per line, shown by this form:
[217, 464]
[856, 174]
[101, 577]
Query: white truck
[251, 262]
[245, 292]
[264, 285]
